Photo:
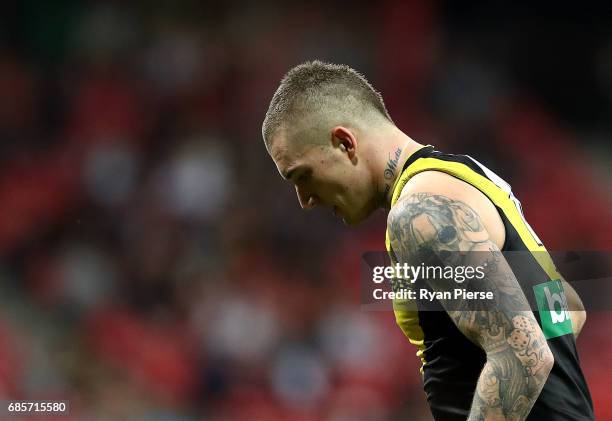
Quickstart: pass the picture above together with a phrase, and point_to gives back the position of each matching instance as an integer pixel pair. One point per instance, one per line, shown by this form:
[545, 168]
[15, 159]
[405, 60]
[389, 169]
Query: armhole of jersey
[500, 195]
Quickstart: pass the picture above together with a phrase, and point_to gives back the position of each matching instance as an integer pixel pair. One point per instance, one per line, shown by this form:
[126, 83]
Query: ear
[344, 139]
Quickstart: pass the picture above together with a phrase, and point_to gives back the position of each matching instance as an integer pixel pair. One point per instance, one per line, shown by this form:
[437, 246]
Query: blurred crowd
[154, 264]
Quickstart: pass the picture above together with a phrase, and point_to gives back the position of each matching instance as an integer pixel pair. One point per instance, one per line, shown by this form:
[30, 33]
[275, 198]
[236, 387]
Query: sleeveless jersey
[451, 363]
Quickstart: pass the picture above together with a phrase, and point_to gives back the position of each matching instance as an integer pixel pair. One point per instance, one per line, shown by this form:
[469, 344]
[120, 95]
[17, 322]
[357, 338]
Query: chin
[354, 220]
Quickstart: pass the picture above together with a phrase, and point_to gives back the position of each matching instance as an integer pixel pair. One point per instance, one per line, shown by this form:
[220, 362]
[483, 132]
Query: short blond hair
[323, 88]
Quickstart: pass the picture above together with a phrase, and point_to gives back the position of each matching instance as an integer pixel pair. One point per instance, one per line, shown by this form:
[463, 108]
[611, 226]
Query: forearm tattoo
[425, 227]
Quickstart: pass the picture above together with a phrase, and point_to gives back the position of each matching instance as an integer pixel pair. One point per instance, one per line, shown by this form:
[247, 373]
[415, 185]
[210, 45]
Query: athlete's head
[321, 130]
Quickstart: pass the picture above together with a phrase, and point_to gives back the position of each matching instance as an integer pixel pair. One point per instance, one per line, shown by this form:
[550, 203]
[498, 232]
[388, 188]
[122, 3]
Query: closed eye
[304, 176]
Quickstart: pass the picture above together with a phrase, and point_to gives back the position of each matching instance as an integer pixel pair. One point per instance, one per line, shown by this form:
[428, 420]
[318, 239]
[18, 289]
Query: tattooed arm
[425, 227]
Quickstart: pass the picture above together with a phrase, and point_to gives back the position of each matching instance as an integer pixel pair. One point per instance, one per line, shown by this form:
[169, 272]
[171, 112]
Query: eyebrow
[304, 169]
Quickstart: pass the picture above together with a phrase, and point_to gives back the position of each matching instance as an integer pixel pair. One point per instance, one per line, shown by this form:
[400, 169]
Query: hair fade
[309, 85]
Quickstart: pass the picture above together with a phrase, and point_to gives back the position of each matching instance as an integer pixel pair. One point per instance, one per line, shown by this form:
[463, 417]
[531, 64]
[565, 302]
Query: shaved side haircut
[315, 94]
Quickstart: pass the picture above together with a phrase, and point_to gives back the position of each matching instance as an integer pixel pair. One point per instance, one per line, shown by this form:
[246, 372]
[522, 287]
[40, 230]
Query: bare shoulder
[435, 188]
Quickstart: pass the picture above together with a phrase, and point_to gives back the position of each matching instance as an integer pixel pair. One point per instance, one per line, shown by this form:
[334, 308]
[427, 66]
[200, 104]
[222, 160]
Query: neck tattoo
[390, 168]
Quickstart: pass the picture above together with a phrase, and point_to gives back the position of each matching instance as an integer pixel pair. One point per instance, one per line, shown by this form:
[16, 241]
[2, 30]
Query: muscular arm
[424, 225]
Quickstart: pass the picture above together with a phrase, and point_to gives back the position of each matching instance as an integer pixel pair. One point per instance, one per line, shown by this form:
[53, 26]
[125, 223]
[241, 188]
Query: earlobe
[349, 148]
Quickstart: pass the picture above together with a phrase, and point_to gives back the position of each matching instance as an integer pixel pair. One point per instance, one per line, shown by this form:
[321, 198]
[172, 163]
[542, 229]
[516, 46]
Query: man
[329, 133]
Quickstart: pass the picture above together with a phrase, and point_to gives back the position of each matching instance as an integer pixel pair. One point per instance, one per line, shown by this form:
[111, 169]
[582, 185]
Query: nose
[307, 200]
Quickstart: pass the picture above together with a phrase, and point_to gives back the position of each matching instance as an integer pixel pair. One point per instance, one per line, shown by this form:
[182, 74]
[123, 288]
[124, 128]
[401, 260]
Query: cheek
[329, 183]
[337, 185]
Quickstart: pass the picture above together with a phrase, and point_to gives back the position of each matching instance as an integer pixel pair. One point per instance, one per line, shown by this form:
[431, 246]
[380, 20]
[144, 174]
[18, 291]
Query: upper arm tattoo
[425, 228]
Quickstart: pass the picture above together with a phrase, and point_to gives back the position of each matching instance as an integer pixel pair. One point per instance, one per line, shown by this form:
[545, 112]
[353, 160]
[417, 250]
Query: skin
[352, 170]
[518, 357]
[344, 172]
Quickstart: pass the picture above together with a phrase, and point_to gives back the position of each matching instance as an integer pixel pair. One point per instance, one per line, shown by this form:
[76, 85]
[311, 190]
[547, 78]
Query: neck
[394, 153]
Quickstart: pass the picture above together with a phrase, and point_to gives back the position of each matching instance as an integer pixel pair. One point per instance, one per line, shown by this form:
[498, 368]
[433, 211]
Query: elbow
[547, 360]
[578, 321]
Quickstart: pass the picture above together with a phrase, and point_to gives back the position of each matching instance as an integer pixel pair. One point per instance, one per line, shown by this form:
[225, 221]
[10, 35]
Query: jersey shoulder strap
[490, 184]
[403, 178]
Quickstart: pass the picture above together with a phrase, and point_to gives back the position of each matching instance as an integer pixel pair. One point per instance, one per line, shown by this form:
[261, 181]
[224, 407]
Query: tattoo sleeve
[424, 227]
